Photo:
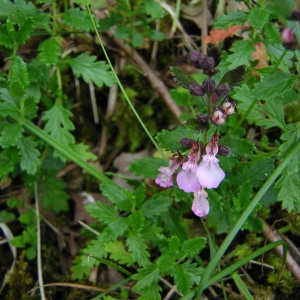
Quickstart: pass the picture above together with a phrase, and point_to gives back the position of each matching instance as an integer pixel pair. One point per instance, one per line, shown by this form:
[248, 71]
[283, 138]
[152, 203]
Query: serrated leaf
[29, 155]
[154, 9]
[289, 185]
[25, 29]
[182, 78]
[146, 276]
[77, 19]
[147, 167]
[95, 248]
[136, 245]
[192, 247]
[165, 262]
[5, 39]
[102, 212]
[242, 54]
[275, 51]
[117, 252]
[54, 195]
[9, 157]
[233, 77]
[274, 115]
[156, 205]
[19, 72]
[170, 140]
[182, 278]
[91, 70]
[238, 146]
[194, 272]
[290, 138]
[258, 17]
[78, 270]
[116, 195]
[137, 220]
[151, 292]
[50, 51]
[82, 150]
[274, 85]
[140, 194]
[10, 134]
[9, 104]
[231, 18]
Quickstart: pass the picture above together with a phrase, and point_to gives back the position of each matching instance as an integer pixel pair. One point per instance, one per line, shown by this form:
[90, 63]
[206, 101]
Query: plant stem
[122, 88]
[39, 250]
[232, 233]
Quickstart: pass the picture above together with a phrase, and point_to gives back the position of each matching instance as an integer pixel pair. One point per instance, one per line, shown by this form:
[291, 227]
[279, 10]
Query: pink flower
[200, 205]
[187, 179]
[165, 177]
[209, 173]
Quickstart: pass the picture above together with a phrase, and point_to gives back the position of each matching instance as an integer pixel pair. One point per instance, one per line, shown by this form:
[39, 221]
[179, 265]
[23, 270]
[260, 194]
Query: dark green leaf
[102, 212]
[182, 278]
[182, 78]
[91, 70]
[77, 19]
[192, 247]
[154, 9]
[237, 17]
[5, 39]
[137, 220]
[146, 276]
[156, 205]
[10, 134]
[19, 73]
[50, 51]
[136, 245]
[117, 252]
[82, 151]
[25, 29]
[237, 146]
[258, 17]
[242, 54]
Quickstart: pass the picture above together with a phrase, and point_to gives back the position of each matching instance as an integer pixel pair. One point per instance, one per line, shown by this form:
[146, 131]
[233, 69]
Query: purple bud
[202, 118]
[295, 15]
[196, 90]
[228, 108]
[287, 35]
[186, 142]
[207, 63]
[223, 150]
[218, 117]
[209, 85]
[222, 90]
[194, 59]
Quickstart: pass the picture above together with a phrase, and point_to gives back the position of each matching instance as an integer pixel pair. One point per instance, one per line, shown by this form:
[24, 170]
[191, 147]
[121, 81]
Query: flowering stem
[231, 235]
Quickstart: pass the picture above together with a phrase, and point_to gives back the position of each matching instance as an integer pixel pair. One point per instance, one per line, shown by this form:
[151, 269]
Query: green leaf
[9, 104]
[242, 54]
[91, 70]
[115, 229]
[258, 17]
[50, 51]
[29, 155]
[78, 270]
[10, 134]
[147, 167]
[166, 262]
[140, 195]
[194, 272]
[289, 194]
[156, 35]
[77, 19]
[117, 252]
[19, 74]
[102, 211]
[274, 85]
[156, 205]
[145, 277]
[290, 137]
[9, 157]
[154, 9]
[5, 39]
[116, 195]
[275, 51]
[82, 151]
[182, 78]
[137, 39]
[170, 140]
[6, 216]
[192, 247]
[138, 248]
[238, 147]
[25, 29]
[95, 248]
[137, 220]
[151, 292]
[182, 278]
[54, 195]
[237, 17]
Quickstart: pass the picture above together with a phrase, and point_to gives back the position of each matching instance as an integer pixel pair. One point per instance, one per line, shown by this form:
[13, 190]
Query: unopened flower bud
[194, 59]
[218, 117]
[196, 90]
[186, 142]
[287, 35]
[295, 15]
[222, 90]
[223, 150]
[202, 118]
[228, 108]
[209, 85]
[207, 63]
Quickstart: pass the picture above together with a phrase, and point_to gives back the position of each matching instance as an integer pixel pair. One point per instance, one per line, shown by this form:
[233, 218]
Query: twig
[39, 250]
[290, 262]
[155, 82]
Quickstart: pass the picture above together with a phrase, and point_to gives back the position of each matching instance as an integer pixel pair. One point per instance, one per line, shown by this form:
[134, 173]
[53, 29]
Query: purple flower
[187, 179]
[200, 205]
[209, 173]
[165, 177]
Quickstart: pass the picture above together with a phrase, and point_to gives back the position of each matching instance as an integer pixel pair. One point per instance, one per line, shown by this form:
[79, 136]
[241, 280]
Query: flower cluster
[194, 177]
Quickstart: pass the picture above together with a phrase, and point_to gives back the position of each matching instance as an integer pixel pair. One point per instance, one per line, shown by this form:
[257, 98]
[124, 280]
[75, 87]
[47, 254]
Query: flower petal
[200, 205]
[188, 181]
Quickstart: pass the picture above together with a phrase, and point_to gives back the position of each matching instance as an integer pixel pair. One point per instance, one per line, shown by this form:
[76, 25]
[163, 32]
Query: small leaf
[154, 9]
[137, 220]
[77, 19]
[156, 205]
[91, 70]
[5, 39]
[82, 151]
[258, 17]
[136, 245]
[25, 29]
[19, 72]
[29, 155]
[182, 78]
[117, 252]
[102, 211]
[193, 246]
[146, 276]
[10, 134]
[50, 51]
[237, 17]
[237, 146]
[182, 278]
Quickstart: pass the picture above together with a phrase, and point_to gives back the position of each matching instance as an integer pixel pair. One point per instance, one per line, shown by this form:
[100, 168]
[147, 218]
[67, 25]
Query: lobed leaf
[237, 17]
[156, 205]
[77, 19]
[50, 51]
